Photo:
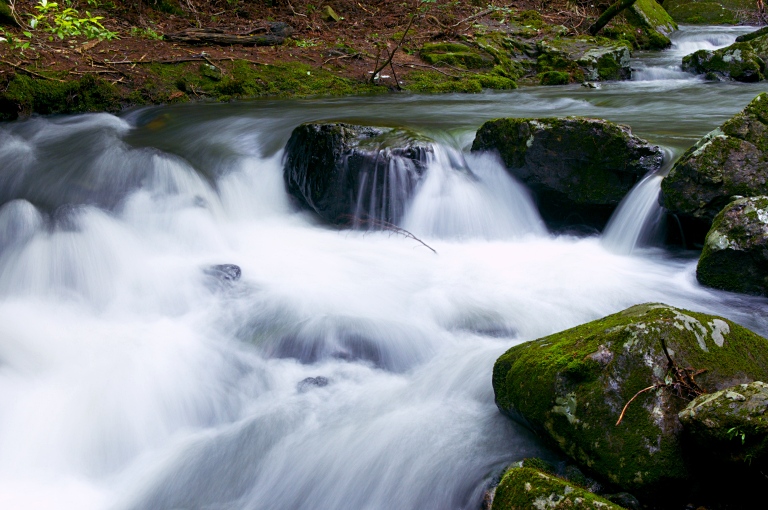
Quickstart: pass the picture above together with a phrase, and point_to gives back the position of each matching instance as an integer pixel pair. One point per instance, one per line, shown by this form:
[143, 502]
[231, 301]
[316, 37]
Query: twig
[391, 227]
[429, 67]
[355, 55]
[649, 388]
[24, 70]
[481, 13]
[376, 71]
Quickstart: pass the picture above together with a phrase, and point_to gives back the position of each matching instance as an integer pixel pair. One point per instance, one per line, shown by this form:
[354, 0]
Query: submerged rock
[579, 168]
[354, 174]
[311, 382]
[571, 388]
[730, 161]
[585, 58]
[523, 488]
[224, 272]
[735, 255]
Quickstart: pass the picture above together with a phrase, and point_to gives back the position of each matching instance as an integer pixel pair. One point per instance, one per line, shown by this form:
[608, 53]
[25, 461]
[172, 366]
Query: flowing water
[345, 369]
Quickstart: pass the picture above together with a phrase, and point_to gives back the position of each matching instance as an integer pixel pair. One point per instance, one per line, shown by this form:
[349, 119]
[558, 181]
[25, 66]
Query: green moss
[651, 15]
[530, 18]
[524, 488]
[554, 78]
[572, 385]
[455, 54]
[432, 82]
[24, 95]
[702, 13]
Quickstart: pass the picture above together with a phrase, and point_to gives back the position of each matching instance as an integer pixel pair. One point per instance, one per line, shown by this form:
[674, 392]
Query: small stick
[24, 70]
[621, 416]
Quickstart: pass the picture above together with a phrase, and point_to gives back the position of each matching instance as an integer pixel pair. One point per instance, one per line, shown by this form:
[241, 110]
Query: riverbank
[161, 52]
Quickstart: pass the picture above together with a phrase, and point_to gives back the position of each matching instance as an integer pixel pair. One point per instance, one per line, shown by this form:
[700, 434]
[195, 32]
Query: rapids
[345, 369]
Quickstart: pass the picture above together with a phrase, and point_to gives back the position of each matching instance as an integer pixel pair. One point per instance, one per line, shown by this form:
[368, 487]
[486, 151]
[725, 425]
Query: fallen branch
[278, 32]
[430, 67]
[31, 73]
[682, 382]
[390, 227]
[377, 70]
[481, 13]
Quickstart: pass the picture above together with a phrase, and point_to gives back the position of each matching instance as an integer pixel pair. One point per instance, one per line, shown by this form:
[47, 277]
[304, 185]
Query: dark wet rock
[730, 161]
[710, 12]
[585, 58]
[344, 345]
[571, 388]
[740, 61]
[578, 168]
[624, 500]
[348, 174]
[752, 35]
[224, 272]
[735, 255]
[731, 424]
[311, 382]
[523, 488]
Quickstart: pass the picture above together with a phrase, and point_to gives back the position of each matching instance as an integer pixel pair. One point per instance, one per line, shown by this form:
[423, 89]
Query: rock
[585, 58]
[224, 272]
[455, 54]
[523, 488]
[350, 175]
[738, 61]
[752, 35]
[735, 255]
[731, 424]
[648, 13]
[310, 382]
[571, 388]
[330, 15]
[709, 12]
[731, 160]
[579, 168]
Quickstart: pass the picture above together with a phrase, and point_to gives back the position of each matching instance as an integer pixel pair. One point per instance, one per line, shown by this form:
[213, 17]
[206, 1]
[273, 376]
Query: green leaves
[68, 23]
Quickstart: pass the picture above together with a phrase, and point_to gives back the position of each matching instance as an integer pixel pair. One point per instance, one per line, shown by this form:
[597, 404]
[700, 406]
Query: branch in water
[390, 227]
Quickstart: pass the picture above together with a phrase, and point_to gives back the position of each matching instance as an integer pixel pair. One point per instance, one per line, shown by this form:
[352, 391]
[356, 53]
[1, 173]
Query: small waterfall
[638, 219]
[471, 198]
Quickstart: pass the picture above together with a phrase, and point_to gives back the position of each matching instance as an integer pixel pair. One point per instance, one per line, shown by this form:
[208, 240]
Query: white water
[130, 379]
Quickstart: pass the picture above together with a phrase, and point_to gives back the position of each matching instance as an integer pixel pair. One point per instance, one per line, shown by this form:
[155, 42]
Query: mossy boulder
[523, 488]
[735, 254]
[579, 168]
[730, 161]
[585, 58]
[456, 54]
[648, 13]
[571, 388]
[731, 424]
[709, 12]
[354, 175]
[739, 62]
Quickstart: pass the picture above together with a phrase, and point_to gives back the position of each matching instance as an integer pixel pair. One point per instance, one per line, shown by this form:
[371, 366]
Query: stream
[344, 369]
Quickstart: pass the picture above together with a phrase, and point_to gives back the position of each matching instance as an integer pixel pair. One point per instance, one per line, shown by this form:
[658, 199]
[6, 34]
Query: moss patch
[455, 54]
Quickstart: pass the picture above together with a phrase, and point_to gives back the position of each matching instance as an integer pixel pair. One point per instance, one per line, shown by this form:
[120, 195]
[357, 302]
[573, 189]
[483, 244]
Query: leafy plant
[735, 432]
[146, 33]
[14, 42]
[306, 43]
[68, 23]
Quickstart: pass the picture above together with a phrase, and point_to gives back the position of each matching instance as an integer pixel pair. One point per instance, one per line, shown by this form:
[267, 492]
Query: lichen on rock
[571, 388]
[735, 254]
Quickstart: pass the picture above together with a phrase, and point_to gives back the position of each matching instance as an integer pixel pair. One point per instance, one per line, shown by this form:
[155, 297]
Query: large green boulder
[741, 61]
[650, 14]
[355, 176]
[572, 387]
[709, 12]
[735, 254]
[523, 488]
[585, 58]
[729, 161]
[579, 168]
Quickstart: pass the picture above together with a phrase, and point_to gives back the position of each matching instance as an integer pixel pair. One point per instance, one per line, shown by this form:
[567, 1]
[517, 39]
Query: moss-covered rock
[523, 488]
[571, 387]
[579, 168]
[729, 161]
[650, 14]
[354, 175]
[735, 254]
[455, 54]
[709, 12]
[731, 424]
[554, 78]
[585, 58]
[738, 61]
